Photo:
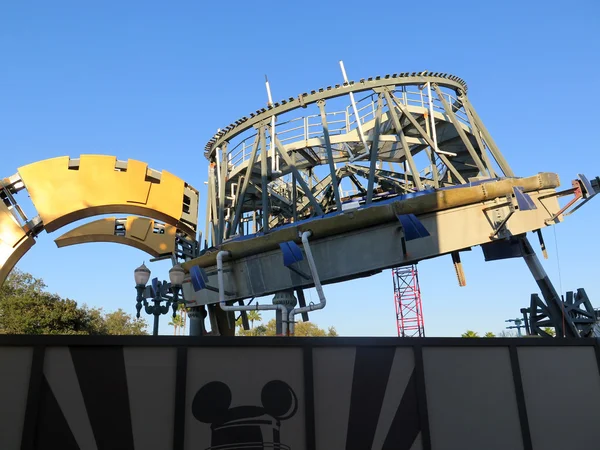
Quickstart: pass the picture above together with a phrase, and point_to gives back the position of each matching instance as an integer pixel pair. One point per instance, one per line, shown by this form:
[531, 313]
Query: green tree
[120, 323]
[177, 323]
[489, 334]
[27, 308]
[254, 316]
[469, 334]
[301, 329]
[550, 331]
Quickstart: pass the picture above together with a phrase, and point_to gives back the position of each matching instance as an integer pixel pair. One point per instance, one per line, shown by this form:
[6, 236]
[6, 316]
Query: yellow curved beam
[64, 191]
[139, 232]
[14, 242]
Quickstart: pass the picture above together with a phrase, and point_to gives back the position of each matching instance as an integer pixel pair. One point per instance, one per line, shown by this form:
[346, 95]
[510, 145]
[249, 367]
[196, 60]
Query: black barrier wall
[165, 393]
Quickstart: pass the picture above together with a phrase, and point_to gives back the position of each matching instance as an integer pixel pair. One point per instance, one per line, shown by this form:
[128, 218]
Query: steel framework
[308, 155]
[407, 299]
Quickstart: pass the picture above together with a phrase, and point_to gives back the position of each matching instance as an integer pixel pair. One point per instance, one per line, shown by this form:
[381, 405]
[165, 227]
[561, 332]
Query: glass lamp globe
[176, 275]
[141, 275]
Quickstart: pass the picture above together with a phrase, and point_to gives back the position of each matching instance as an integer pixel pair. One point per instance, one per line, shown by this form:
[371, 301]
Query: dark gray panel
[151, 383]
[562, 389]
[61, 376]
[244, 385]
[471, 399]
[15, 365]
[333, 370]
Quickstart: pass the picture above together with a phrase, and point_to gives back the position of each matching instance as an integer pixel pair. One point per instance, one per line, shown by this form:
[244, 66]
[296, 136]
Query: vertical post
[431, 155]
[398, 126]
[374, 151]
[240, 198]
[207, 219]
[222, 193]
[264, 181]
[334, 181]
[156, 311]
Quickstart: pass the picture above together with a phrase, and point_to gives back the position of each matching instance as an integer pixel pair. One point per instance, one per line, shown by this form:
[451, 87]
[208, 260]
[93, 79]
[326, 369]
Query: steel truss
[407, 299]
[310, 155]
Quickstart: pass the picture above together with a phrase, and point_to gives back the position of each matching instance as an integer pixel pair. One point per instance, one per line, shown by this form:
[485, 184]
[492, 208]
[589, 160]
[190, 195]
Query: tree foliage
[27, 308]
[470, 334]
[301, 329]
[550, 331]
[489, 334]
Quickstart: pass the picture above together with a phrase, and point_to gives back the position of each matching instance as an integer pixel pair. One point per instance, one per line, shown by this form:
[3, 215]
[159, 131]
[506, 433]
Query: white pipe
[358, 124]
[317, 281]
[224, 307]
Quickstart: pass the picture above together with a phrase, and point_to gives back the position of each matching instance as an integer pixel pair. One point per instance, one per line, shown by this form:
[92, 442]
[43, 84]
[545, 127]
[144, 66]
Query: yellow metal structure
[65, 190]
[14, 242]
[142, 233]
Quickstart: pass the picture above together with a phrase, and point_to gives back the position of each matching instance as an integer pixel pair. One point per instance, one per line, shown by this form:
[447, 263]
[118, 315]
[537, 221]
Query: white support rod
[432, 119]
[224, 307]
[274, 158]
[358, 124]
[316, 280]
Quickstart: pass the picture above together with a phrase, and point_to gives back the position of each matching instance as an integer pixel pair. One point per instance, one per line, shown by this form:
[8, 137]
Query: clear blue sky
[153, 81]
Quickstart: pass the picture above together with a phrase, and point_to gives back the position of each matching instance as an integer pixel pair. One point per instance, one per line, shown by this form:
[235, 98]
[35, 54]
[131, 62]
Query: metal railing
[342, 122]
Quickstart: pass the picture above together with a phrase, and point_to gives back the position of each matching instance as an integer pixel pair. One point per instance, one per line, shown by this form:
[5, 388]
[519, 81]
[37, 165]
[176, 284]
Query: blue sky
[154, 80]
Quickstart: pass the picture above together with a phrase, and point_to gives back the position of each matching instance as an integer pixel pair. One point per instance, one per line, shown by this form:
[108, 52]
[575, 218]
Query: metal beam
[212, 189]
[374, 150]
[428, 139]
[247, 176]
[222, 193]
[398, 127]
[305, 187]
[334, 181]
[496, 153]
[475, 132]
[460, 131]
[264, 181]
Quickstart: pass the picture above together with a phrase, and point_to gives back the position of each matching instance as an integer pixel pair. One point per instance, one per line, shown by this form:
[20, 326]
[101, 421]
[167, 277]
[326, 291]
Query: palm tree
[469, 334]
[176, 322]
[489, 334]
[254, 316]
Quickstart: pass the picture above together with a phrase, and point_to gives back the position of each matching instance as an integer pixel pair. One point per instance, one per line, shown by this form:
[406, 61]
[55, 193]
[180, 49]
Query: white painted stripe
[402, 368]
[62, 378]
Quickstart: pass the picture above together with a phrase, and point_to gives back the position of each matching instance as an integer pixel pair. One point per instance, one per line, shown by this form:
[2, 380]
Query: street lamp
[158, 291]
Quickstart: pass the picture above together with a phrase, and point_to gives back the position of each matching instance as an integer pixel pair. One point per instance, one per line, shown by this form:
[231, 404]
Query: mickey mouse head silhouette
[251, 427]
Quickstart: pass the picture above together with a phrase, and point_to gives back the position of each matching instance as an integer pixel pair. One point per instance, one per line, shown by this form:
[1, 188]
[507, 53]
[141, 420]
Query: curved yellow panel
[64, 191]
[14, 242]
[139, 232]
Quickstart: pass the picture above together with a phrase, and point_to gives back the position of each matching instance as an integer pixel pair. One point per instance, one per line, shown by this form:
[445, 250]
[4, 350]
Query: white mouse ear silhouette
[279, 399]
[211, 402]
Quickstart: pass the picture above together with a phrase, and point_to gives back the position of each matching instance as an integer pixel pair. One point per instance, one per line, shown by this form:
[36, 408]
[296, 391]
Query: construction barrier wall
[178, 393]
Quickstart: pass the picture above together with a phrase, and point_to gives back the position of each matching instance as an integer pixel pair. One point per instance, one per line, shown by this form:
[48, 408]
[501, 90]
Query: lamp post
[158, 291]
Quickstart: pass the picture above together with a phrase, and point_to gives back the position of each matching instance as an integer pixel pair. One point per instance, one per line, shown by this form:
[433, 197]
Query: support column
[197, 315]
[553, 301]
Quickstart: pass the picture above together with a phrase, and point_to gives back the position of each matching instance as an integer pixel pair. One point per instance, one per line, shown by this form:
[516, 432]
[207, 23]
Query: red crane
[407, 298]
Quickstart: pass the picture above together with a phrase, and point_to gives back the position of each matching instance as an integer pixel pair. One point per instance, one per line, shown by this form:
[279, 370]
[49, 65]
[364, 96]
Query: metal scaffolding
[407, 298]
